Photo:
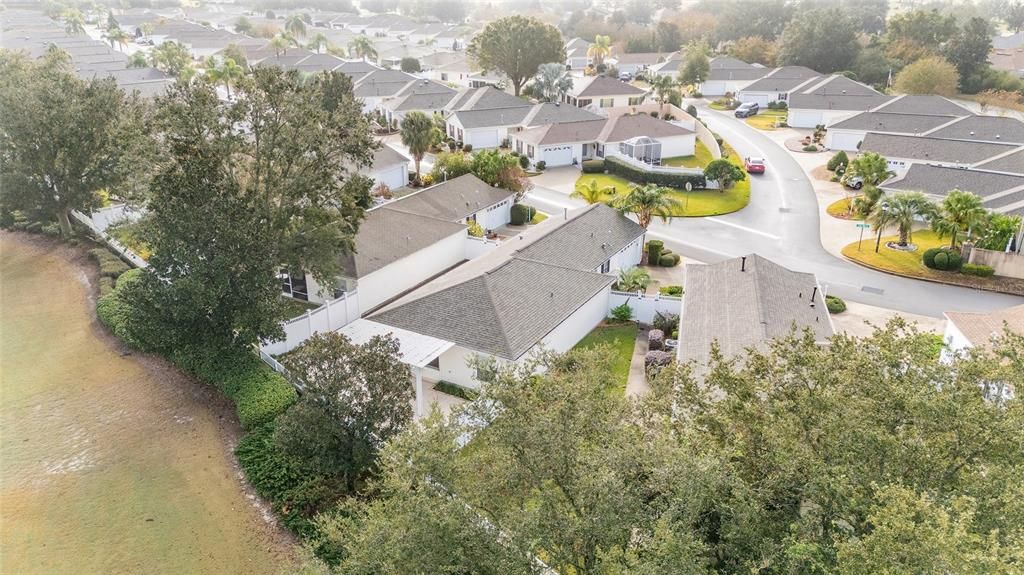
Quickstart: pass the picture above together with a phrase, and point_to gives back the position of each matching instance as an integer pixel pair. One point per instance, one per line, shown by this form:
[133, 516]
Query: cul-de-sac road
[781, 223]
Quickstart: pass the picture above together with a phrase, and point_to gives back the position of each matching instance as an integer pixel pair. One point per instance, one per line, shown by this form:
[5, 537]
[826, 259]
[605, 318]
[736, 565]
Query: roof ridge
[502, 328]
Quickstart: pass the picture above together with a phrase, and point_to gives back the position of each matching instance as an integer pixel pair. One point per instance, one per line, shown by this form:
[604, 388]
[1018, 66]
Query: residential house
[967, 330]
[908, 115]
[389, 167]
[901, 151]
[776, 85]
[603, 92]
[599, 239]
[999, 191]
[464, 199]
[576, 54]
[826, 101]
[427, 96]
[482, 117]
[379, 85]
[983, 129]
[670, 66]
[744, 303]
[572, 142]
[730, 76]
[636, 62]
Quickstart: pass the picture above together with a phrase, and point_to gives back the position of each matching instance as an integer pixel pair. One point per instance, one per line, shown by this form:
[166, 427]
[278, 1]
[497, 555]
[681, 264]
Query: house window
[606, 266]
[636, 101]
[783, 96]
[444, 76]
[583, 103]
[607, 102]
[294, 284]
[529, 151]
[600, 150]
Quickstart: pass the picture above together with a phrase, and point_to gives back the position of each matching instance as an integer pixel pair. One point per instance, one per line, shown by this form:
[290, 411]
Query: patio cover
[416, 350]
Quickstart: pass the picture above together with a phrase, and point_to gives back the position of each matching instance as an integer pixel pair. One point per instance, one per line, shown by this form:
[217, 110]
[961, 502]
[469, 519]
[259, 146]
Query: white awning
[416, 349]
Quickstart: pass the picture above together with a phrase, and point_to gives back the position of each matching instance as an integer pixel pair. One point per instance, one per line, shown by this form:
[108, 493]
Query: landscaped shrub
[928, 258]
[692, 110]
[467, 148]
[979, 270]
[655, 360]
[654, 113]
[523, 162]
[113, 268]
[457, 390]
[810, 148]
[475, 229]
[106, 285]
[541, 165]
[666, 322]
[835, 304]
[115, 313]
[261, 398]
[654, 248]
[593, 166]
[655, 340]
[622, 312]
[672, 290]
[669, 260]
[946, 260]
[522, 214]
[840, 160]
[634, 174]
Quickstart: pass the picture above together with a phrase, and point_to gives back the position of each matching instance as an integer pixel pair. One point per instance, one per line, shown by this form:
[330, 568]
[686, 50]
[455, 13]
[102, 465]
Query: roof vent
[743, 264]
[972, 133]
[814, 293]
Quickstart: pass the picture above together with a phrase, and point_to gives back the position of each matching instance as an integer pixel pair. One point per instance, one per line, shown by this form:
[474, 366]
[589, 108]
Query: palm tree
[646, 202]
[869, 198]
[633, 279]
[74, 23]
[117, 36]
[362, 47]
[319, 42]
[295, 26]
[137, 60]
[418, 133]
[552, 81]
[600, 49]
[959, 212]
[280, 44]
[664, 87]
[227, 73]
[147, 28]
[901, 210]
[593, 193]
[336, 51]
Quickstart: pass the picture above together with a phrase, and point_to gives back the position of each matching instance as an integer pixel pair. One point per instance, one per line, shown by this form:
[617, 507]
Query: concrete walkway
[562, 179]
[637, 384]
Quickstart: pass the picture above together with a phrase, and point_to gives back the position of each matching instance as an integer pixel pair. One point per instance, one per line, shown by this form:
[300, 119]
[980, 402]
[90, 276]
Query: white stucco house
[482, 117]
[636, 62]
[389, 167]
[909, 115]
[826, 101]
[603, 92]
[576, 57]
[730, 76]
[776, 85]
[966, 330]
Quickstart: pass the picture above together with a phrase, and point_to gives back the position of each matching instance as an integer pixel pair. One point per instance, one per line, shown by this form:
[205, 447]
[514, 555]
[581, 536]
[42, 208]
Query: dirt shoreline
[281, 542]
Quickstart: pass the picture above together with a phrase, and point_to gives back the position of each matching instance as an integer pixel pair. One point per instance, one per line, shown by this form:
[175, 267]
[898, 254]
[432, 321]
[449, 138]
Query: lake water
[109, 462]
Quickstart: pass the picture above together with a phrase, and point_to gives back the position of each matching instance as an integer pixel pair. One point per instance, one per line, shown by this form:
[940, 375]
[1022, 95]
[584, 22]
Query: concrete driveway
[782, 223]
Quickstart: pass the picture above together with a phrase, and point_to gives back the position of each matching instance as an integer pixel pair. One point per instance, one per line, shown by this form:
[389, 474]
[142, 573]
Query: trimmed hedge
[942, 259]
[522, 214]
[114, 312]
[456, 390]
[654, 248]
[110, 264]
[979, 270]
[834, 304]
[593, 166]
[669, 260]
[620, 168]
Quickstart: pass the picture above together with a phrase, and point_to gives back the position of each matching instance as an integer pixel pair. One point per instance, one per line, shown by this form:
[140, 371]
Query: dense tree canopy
[931, 75]
[516, 46]
[823, 39]
[865, 456]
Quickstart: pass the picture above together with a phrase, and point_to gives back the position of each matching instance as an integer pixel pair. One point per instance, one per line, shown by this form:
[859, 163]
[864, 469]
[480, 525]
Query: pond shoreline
[277, 540]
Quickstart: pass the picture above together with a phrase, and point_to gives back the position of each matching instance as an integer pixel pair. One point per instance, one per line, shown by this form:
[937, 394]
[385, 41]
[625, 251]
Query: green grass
[765, 119]
[620, 339]
[701, 158]
[133, 237]
[295, 307]
[841, 209]
[715, 106]
[538, 217]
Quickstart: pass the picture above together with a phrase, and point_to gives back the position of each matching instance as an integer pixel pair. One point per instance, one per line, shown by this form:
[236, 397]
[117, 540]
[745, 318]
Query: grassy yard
[295, 307]
[765, 119]
[701, 158]
[841, 209]
[620, 339]
[538, 217]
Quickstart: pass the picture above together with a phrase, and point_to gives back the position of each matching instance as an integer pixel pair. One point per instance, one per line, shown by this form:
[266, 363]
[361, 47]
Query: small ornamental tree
[725, 173]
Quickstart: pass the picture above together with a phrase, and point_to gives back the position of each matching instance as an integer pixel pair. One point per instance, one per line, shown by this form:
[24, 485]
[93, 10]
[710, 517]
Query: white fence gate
[645, 306]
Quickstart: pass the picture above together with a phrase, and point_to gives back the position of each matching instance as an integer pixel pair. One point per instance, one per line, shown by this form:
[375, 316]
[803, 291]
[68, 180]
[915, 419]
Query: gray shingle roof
[488, 98]
[986, 128]
[648, 58]
[453, 200]
[548, 113]
[598, 86]
[492, 117]
[1013, 162]
[740, 74]
[504, 312]
[782, 79]
[924, 104]
[586, 241]
[836, 93]
[382, 83]
[563, 133]
[742, 309]
[386, 156]
[898, 123]
[932, 149]
[387, 235]
[937, 181]
[631, 126]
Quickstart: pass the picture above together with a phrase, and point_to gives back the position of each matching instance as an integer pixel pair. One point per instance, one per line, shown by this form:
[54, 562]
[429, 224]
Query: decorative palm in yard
[600, 49]
[552, 81]
[362, 47]
[318, 43]
[646, 202]
[632, 280]
[959, 212]
[592, 193]
[295, 26]
[902, 210]
[664, 87]
[866, 202]
[418, 134]
[227, 73]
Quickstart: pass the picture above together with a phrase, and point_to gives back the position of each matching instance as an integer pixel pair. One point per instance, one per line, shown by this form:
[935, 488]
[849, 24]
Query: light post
[884, 207]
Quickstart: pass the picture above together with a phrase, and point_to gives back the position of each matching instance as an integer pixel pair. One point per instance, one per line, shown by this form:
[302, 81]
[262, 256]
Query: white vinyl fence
[100, 220]
[645, 306]
[328, 317]
[476, 247]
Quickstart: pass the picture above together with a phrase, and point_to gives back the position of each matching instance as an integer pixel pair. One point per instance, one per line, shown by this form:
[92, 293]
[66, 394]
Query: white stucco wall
[495, 216]
[404, 274]
[576, 326]
[454, 366]
[723, 87]
[806, 118]
[761, 98]
[628, 257]
[954, 339]
[393, 177]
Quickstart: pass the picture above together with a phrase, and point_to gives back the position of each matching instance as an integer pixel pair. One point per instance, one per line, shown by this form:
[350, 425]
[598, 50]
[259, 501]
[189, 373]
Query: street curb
[929, 280]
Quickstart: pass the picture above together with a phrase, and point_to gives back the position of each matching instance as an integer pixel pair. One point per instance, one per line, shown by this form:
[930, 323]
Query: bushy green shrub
[523, 161]
[467, 148]
[456, 390]
[634, 174]
[622, 312]
[928, 258]
[669, 260]
[654, 248]
[671, 290]
[810, 148]
[840, 160]
[522, 214]
[115, 313]
[106, 285]
[835, 304]
[593, 166]
[666, 322]
[541, 165]
[692, 110]
[52, 230]
[113, 268]
[979, 270]
[946, 260]
[262, 398]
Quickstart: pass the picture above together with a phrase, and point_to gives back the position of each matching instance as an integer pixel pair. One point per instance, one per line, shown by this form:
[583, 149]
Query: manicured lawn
[701, 158]
[621, 185]
[620, 340]
[296, 307]
[538, 217]
[841, 209]
[765, 119]
[906, 263]
[720, 107]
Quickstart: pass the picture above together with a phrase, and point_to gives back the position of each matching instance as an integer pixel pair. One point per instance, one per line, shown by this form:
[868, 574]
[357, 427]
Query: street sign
[864, 226]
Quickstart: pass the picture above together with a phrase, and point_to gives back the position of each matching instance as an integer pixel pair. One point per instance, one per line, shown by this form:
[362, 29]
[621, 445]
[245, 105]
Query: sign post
[862, 228]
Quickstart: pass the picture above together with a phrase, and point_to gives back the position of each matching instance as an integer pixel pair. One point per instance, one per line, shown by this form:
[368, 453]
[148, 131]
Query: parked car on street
[855, 182]
[754, 165]
[625, 77]
[747, 109]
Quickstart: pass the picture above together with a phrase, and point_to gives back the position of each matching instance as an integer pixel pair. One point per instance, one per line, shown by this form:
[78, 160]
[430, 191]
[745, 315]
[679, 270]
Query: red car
[754, 165]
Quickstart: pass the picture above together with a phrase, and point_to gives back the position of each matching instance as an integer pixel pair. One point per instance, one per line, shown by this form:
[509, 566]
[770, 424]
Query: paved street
[782, 223]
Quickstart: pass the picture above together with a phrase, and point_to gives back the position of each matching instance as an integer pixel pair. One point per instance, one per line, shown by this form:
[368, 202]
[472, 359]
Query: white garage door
[482, 139]
[804, 118]
[759, 98]
[393, 178]
[839, 140]
[717, 88]
[558, 156]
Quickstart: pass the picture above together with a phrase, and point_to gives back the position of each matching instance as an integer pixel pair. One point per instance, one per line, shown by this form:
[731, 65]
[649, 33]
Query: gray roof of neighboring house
[898, 123]
[382, 83]
[938, 181]
[564, 133]
[487, 98]
[782, 79]
[586, 241]
[492, 117]
[986, 128]
[836, 93]
[727, 68]
[1013, 162]
[387, 235]
[648, 58]
[549, 113]
[422, 95]
[319, 63]
[285, 60]
[598, 86]
[453, 200]
[630, 126]
[741, 309]
[356, 69]
[1009, 42]
[923, 105]
[505, 312]
[932, 149]
[385, 156]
